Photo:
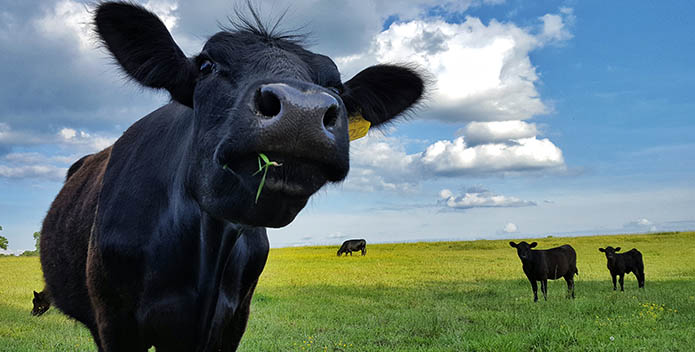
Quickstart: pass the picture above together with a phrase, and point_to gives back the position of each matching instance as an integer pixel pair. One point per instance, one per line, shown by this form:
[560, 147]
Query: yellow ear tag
[358, 127]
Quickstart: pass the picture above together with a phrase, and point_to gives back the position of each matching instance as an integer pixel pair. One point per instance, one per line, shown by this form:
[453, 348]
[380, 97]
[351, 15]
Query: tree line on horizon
[4, 243]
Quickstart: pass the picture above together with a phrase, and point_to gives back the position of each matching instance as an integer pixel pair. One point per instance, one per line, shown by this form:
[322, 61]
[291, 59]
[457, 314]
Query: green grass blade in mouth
[266, 163]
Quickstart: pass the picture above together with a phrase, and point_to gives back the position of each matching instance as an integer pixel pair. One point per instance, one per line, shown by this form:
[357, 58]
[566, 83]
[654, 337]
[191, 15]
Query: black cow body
[547, 264]
[350, 246]
[620, 264]
[159, 240]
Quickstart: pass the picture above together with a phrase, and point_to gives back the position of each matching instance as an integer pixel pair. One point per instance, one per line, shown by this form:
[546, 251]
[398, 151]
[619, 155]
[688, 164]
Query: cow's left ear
[511, 243]
[380, 93]
[617, 249]
[601, 250]
[532, 245]
[143, 47]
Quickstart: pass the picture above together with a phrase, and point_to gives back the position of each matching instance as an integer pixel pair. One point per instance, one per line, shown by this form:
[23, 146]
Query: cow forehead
[257, 53]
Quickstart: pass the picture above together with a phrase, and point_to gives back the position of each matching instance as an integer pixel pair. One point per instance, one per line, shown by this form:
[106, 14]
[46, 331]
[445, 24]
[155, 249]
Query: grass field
[443, 296]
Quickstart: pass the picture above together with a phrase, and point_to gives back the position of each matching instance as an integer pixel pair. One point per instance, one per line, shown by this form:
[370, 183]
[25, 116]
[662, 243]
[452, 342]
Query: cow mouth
[287, 176]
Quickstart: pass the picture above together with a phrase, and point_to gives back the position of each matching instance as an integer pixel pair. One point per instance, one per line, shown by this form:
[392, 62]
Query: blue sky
[547, 117]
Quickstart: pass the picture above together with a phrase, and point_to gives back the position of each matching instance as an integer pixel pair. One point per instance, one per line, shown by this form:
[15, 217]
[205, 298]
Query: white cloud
[510, 228]
[483, 72]
[498, 131]
[478, 197]
[50, 172]
[68, 20]
[456, 158]
[382, 163]
[641, 224]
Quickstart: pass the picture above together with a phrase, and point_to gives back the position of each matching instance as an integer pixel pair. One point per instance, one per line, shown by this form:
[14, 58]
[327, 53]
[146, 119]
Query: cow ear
[36, 294]
[143, 47]
[532, 245]
[617, 249]
[511, 243]
[601, 250]
[380, 93]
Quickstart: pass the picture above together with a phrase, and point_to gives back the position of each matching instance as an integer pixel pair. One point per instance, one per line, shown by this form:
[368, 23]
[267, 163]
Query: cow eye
[207, 67]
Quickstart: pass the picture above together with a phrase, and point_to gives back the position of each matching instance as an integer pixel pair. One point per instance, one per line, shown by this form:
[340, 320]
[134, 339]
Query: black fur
[620, 264]
[159, 240]
[41, 302]
[547, 264]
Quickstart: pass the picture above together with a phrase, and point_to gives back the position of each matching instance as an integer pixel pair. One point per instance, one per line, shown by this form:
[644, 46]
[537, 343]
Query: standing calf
[624, 263]
[541, 265]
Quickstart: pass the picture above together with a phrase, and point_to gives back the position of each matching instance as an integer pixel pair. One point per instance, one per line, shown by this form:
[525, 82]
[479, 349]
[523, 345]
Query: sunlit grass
[445, 296]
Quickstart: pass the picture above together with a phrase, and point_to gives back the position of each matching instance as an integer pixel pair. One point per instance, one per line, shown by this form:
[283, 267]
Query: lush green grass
[445, 296]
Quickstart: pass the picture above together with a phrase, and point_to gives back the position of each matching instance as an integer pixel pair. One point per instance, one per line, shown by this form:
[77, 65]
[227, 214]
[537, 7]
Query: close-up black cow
[159, 240]
[620, 264]
[547, 264]
[350, 246]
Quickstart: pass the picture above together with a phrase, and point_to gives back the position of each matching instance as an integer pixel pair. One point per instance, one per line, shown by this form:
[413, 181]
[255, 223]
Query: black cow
[41, 302]
[620, 264]
[159, 240]
[353, 245]
[545, 264]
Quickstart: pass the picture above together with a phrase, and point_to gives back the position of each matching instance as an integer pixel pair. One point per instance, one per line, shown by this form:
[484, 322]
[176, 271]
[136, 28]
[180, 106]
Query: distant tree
[37, 237]
[3, 241]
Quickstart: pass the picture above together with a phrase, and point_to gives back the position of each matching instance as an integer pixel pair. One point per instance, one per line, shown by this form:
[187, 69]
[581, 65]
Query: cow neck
[217, 239]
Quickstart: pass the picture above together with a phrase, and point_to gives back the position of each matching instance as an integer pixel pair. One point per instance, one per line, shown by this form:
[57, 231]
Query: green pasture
[435, 296]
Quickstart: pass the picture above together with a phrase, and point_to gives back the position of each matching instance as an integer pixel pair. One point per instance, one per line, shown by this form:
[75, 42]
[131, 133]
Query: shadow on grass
[52, 331]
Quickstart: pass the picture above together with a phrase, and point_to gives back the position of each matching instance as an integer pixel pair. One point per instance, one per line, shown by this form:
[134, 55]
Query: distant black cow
[41, 301]
[353, 245]
[620, 264]
[545, 264]
[159, 240]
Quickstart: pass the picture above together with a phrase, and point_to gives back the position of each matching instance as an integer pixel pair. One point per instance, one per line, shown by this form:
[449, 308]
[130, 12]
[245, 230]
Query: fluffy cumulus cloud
[510, 228]
[382, 163]
[498, 131]
[483, 77]
[456, 158]
[478, 197]
[482, 72]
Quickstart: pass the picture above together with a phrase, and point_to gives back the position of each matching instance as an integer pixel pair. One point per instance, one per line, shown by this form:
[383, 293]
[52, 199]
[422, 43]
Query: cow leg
[570, 285]
[622, 277]
[640, 279]
[118, 332]
[614, 283]
[534, 287]
[544, 289]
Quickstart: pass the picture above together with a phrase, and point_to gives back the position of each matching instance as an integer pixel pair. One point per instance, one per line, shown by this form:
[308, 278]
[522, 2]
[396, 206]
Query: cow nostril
[331, 116]
[267, 103]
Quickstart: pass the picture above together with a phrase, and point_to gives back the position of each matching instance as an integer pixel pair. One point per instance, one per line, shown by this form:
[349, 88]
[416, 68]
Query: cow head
[253, 92]
[41, 303]
[523, 249]
[610, 252]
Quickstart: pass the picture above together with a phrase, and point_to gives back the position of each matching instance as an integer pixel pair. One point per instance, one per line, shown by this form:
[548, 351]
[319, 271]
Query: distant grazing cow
[41, 301]
[350, 246]
[159, 240]
[620, 264]
[547, 264]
